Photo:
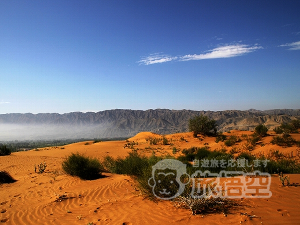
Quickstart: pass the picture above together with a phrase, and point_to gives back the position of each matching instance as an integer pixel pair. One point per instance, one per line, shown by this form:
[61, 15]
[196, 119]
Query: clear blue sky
[65, 56]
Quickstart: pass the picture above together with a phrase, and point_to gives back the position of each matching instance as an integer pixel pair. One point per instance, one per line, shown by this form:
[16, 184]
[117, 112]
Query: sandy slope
[115, 199]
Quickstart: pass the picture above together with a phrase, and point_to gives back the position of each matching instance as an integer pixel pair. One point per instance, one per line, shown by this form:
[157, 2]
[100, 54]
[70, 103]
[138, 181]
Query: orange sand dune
[56, 198]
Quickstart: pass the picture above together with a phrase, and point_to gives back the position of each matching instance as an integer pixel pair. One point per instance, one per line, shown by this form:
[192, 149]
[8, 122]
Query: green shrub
[278, 130]
[133, 164]
[261, 130]
[296, 124]
[255, 138]
[175, 150]
[276, 154]
[202, 125]
[246, 156]
[220, 137]
[202, 153]
[136, 165]
[165, 141]
[232, 140]
[83, 167]
[284, 165]
[291, 127]
[153, 141]
[109, 164]
[284, 140]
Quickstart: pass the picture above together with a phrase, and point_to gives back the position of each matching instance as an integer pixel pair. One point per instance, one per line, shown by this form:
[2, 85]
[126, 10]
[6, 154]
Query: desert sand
[56, 198]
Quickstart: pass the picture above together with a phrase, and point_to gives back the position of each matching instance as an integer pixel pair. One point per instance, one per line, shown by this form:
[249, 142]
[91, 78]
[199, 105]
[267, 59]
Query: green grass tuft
[83, 167]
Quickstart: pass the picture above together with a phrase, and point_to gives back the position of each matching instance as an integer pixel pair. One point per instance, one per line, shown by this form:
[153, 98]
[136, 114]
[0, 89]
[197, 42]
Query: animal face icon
[166, 183]
[166, 179]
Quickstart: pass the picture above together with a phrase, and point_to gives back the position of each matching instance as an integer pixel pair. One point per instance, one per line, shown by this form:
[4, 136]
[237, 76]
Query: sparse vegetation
[206, 205]
[153, 141]
[133, 164]
[284, 140]
[136, 165]
[232, 140]
[165, 141]
[291, 127]
[251, 141]
[40, 168]
[175, 150]
[182, 139]
[130, 144]
[4, 150]
[278, 130]
[220, 137]
[284, 178]
[83, 167]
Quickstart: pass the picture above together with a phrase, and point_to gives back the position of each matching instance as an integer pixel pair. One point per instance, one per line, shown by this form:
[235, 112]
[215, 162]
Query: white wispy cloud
[292, 46]
[156, 58]
[4, 102]
[226, 51]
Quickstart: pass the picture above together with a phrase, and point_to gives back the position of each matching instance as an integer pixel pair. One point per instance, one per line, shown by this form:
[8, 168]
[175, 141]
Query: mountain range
[127, 123]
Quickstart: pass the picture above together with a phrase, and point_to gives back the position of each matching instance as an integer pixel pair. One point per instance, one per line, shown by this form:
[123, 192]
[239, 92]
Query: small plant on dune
[232, 140]
[130, 144]
[165, 141]
[276, 154]
[234, 150]
[283, 178]
[153, 141]
[220, 137]
[40, 168]
[174, 150]
[83, 167]
[97, 140]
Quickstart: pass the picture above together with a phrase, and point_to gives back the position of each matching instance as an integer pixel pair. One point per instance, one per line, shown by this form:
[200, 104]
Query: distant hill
[127, 123]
